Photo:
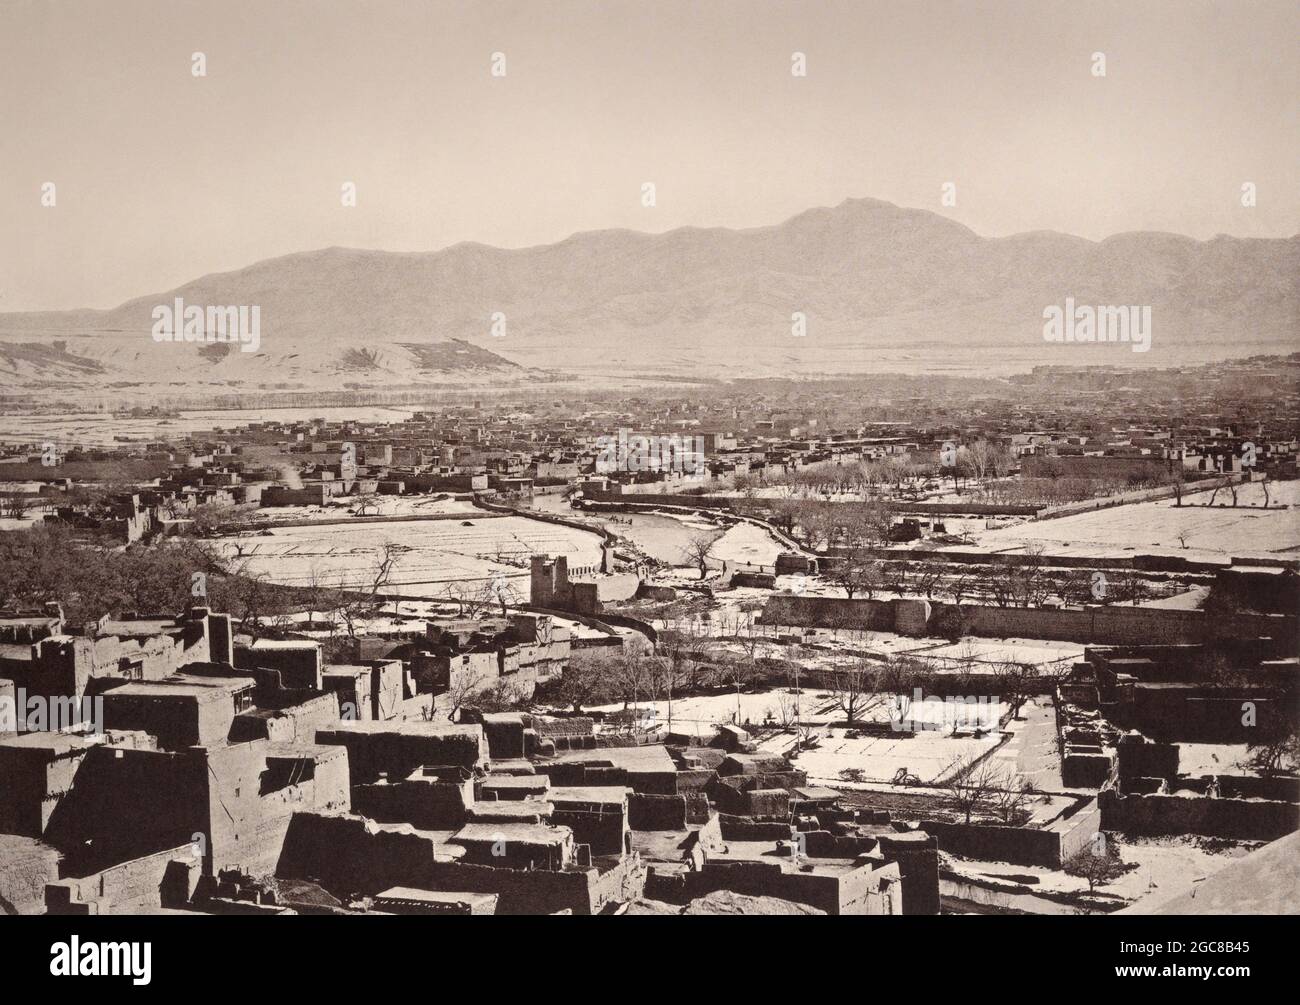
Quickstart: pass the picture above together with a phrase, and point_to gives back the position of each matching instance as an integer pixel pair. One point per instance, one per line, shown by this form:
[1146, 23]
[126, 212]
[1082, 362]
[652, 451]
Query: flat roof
[541, 834]
[187, 687]
[433, 896]
[599, 794]
[650, 757]
[404, 727]
[144, 626]
[522, 810]
[765, 851]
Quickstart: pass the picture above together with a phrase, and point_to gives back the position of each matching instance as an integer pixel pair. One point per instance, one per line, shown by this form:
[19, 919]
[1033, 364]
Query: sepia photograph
[616, 458]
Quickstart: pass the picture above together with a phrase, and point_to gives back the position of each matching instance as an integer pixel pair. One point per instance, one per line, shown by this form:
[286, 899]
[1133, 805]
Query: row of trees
[899, 474]
[864, 686]
[1030, 584]
[822, 525]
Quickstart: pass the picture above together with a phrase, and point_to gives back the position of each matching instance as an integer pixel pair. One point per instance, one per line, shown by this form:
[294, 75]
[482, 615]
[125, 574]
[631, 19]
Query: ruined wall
[604, 829]
[387, 688]
[348, 854]
[164, 879]
[295, 723]
[648, 812]
[1176, 715]
[422, 802]
[1078, 831]
[855, 891]
[1241, 819]
[917, 855]
[618, 587]
[60, 666]
[519, 891]
[828, 612]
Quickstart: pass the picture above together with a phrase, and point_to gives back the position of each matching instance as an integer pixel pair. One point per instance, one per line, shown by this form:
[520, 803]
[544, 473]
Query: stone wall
[1155, 814]
[1047, 846]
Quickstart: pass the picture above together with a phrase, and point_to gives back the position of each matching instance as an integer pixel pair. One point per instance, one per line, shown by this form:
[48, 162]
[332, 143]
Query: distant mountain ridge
[878, 286]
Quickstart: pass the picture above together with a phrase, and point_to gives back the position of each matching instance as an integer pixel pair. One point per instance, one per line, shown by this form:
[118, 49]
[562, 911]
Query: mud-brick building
[42, 658]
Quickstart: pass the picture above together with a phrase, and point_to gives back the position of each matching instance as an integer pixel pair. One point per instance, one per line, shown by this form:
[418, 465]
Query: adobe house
[298, 661]
[180, 712]
[40, 659]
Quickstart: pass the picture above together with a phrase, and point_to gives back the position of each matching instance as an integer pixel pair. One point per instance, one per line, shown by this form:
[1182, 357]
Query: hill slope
[882, 287]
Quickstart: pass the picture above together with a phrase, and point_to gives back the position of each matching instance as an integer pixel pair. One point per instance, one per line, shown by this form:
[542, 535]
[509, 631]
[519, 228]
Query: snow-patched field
[1161, 868]
[665, 536]
[1161, 527]
[435, 554]
[344, 508]
[927, 753]
[1200, 759]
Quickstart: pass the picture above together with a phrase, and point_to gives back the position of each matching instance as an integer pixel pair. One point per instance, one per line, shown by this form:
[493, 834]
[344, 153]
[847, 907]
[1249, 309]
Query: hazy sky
[162, 177]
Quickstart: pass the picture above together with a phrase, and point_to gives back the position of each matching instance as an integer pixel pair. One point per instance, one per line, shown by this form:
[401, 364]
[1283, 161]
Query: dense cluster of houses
[297, 785]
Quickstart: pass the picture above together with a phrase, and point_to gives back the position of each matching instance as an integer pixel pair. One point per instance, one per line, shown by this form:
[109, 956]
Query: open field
[927, 753]
[1155, 527]
[665, 536]
[435, 554]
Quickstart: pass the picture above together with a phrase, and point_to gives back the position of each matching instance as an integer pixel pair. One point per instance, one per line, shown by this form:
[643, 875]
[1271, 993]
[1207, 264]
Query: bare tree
[366, 501]
[356, 602]
[1099, 863]
[1001, 585]
[1029, 581]
[1000, 461]
[857, 573]
[928, 577]
[1015, 682]
[461, 687]
[1132, 587]
[698, 550]
[971, 782]
[14, 505]
[855, 690]
[1009, 797]
[959, 584]
[1277, 754]
[979, 455]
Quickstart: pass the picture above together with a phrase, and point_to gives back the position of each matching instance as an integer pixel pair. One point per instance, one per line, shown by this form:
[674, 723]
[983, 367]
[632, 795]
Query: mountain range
[878, 287]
